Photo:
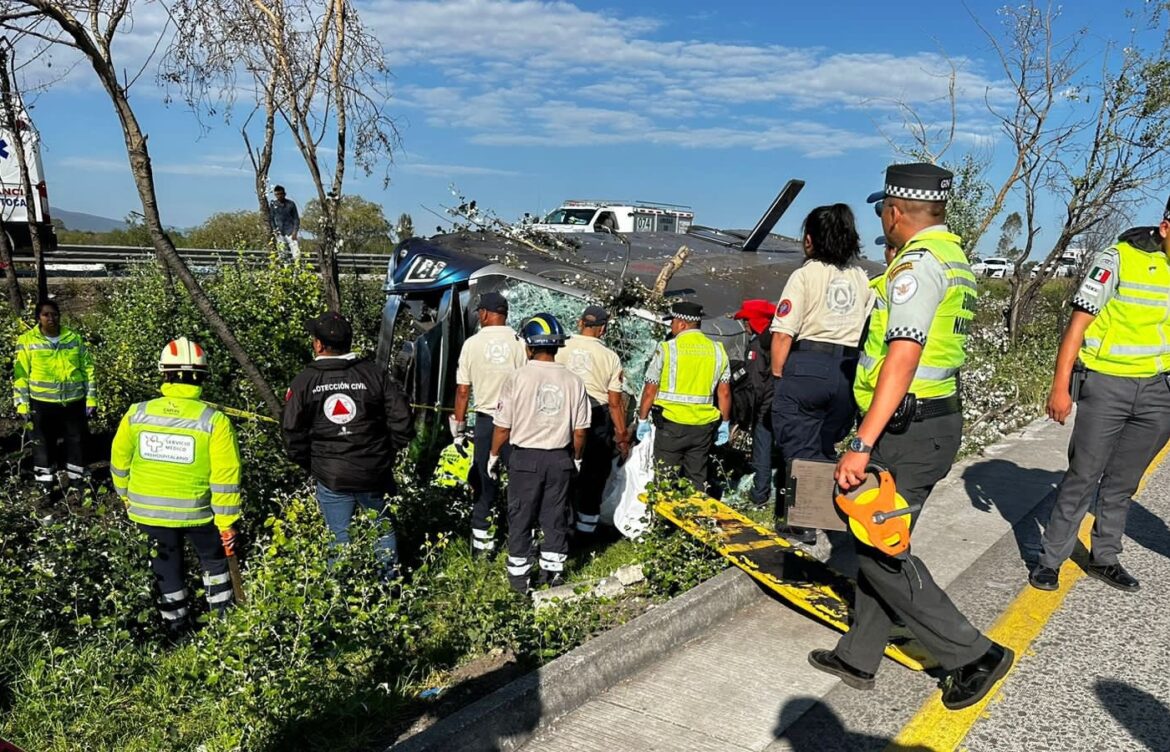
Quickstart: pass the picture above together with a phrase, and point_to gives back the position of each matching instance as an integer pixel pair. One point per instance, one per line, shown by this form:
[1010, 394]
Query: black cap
[920, 181]
[595, 315]
[493, 302]
[686, 311]
[332, 329]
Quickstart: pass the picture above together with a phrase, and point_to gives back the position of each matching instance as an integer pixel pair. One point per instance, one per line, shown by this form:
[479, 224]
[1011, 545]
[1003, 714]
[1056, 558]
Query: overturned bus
[432, 285]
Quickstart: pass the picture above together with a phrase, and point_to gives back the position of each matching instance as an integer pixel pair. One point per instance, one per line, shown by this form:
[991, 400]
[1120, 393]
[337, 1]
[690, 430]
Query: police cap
[920, 181]
[686, 311]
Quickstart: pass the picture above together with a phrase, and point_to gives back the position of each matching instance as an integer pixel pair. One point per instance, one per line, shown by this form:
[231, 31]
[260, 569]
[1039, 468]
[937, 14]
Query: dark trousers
[763, 464]
[812, 405]
[1121, 424]
[596, 466]
[682, 451]
[486, 490]
[167, 565]
[903, 587]
[538, 492]
[53, 422]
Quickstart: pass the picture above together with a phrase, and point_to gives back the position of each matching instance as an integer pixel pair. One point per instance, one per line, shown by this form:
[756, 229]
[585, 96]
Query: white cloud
[449, 170]
[198, 169]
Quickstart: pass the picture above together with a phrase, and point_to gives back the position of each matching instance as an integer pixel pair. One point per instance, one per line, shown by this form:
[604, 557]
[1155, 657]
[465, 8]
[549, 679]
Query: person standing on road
[601, 370]
[1119, 330]
[816, 332]
[688, 385]
[757, 315]
[543, 412]
[914, 346]
[486, 360]
[286, 224]
[53, 385]
[176, 465]
[345, 420]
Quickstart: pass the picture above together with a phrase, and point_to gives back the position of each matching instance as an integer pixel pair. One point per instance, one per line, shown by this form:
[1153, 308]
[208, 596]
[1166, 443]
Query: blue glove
[724, 434]
[643, 429]
[91, 412]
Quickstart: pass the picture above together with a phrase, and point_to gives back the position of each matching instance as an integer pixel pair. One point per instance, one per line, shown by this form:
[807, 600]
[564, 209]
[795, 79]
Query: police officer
[601, 371]
[175, 463]
[544, 413]
[688, 383]
[53, 384]
[1119, 330]
[915, 343]
[486, 360]
[817, 328]
[756, 315]
[345, 420]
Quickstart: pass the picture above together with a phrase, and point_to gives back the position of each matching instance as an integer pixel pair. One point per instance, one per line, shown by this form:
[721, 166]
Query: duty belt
[812, 345]
[936, 408]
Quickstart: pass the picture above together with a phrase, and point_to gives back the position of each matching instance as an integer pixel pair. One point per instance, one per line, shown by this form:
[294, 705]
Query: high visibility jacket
[1131, 335]
[175, 461]
[57, 372]
[691, 367]
[944, 353]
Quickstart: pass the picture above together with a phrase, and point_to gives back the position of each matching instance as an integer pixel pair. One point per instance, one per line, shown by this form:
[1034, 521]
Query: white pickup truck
[585, 215]
[14, 216]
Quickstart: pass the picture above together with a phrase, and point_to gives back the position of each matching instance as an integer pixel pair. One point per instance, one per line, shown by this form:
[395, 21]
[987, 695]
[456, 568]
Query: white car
[996, 268]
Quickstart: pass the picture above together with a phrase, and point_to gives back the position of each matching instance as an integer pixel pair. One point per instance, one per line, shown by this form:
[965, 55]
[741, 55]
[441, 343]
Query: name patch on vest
[166, 447]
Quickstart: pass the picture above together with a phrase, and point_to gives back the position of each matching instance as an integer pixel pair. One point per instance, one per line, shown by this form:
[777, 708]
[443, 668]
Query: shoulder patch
[903, 267]
[913, 255]
[784, 308]
[903, 287]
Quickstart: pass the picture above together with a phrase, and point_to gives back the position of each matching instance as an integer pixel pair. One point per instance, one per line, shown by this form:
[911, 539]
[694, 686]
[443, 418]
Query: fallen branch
[669, 268]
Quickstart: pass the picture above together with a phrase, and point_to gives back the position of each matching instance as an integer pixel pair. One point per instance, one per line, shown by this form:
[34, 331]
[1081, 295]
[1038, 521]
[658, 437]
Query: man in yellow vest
[176, 465]
[907, 390]
[52, 383]
[688, 385]
[1119, 329]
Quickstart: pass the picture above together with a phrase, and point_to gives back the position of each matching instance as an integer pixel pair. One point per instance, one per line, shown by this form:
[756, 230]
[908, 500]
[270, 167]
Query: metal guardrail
[122, 256]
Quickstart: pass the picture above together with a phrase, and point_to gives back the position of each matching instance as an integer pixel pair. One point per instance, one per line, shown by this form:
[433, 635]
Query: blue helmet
[543, 330]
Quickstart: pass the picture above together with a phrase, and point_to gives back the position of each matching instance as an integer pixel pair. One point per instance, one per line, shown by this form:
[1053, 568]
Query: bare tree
[314, 66]
[90, 27]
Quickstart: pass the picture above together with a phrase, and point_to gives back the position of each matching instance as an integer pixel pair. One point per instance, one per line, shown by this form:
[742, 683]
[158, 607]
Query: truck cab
[595, 215]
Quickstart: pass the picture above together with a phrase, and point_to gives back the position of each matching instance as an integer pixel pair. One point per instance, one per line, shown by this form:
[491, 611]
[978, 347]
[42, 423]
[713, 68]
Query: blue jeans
[338, 508]
[762, 449]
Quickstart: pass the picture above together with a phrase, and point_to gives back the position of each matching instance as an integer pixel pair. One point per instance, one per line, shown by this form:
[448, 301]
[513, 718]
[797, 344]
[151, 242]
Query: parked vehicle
[589, 215]
[14, 212]
[996, 268]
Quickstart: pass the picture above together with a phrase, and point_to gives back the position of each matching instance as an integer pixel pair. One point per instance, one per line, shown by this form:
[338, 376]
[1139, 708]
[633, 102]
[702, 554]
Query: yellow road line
[934, 727]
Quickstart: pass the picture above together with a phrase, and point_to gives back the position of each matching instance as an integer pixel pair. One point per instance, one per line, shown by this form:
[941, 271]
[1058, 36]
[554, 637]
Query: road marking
[934, 727]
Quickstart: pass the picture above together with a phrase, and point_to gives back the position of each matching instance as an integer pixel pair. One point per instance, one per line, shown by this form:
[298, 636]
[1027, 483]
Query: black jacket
[759, 368]
[344, 421]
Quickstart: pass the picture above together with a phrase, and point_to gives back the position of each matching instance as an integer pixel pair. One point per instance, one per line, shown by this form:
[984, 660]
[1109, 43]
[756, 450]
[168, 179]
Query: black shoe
[552, 579]
[1044, 578]
[1115, 575]
[827, 661]
[969, 684]
[519, 585]
[804, 535]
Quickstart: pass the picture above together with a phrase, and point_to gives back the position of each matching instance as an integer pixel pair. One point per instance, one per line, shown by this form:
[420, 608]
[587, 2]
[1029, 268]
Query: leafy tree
[404, 229]
[238, 229]
[1009, 232]
[362, 227]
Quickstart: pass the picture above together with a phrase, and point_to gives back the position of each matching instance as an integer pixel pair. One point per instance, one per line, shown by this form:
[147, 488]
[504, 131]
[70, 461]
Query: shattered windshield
[632, 338]
[565, 216]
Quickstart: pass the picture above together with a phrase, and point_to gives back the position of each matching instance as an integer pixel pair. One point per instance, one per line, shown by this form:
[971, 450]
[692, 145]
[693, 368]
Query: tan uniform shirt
[543, 403]
[488, 357]
[824, 303]
[595, 364]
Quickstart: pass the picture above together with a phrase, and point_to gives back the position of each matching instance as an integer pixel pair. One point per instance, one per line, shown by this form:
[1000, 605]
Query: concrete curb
[511, 715]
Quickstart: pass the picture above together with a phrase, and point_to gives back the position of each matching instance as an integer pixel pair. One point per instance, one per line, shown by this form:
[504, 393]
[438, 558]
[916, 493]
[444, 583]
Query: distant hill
[86, 222]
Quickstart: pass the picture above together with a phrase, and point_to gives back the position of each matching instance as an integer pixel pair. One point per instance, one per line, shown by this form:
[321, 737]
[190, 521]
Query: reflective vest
[1131, 335]
[944, 352]
[691, 366]
[45, 371]
[175, 462]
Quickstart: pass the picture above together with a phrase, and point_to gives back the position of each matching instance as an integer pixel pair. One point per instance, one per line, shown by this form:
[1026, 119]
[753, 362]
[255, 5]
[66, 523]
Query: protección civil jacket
[344, 421]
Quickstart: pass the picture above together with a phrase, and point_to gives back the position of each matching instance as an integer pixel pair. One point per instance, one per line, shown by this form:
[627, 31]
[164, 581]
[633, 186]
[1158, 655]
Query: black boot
[969, 684]
[1114, 575]
[827, 661]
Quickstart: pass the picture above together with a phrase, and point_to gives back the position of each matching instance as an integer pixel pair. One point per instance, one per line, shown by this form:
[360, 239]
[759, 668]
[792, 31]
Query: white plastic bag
[626, 484]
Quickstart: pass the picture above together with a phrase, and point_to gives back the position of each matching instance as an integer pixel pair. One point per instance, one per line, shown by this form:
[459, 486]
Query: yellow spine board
[794, 575]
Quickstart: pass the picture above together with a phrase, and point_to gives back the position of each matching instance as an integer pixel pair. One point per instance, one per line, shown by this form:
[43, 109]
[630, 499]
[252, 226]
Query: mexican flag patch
[1100, 274]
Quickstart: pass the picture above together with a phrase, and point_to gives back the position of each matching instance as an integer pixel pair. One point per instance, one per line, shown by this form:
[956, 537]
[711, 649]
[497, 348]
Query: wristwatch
[857, 445]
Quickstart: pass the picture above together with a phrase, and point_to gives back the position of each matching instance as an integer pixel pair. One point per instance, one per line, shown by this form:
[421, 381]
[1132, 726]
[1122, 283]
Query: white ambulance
[587, 215]
[14, 212]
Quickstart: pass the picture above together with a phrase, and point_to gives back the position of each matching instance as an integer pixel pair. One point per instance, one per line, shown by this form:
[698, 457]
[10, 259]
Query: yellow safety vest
[57, 372]
[1131, 335]
[944, 353]
[176, 463]
[691, 365]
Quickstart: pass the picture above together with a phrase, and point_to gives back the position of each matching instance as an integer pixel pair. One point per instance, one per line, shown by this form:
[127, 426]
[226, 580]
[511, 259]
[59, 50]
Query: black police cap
[920, 181]
[686, 311]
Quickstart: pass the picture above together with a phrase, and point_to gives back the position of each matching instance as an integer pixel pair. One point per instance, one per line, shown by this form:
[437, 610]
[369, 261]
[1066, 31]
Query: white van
[587, 215]
[14, 213]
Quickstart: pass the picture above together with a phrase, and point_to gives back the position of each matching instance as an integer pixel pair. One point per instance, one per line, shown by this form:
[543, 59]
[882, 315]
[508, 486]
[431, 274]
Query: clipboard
[809, 495]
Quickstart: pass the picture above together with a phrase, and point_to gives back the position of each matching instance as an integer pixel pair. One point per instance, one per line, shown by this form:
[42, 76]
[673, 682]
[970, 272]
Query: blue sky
[523, 104]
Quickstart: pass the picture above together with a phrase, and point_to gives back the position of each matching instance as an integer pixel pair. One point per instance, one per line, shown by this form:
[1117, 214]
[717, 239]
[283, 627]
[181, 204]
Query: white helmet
[182, 355]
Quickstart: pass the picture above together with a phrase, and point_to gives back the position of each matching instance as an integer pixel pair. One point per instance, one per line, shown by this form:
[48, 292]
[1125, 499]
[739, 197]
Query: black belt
[936, 408]
[813, 345]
